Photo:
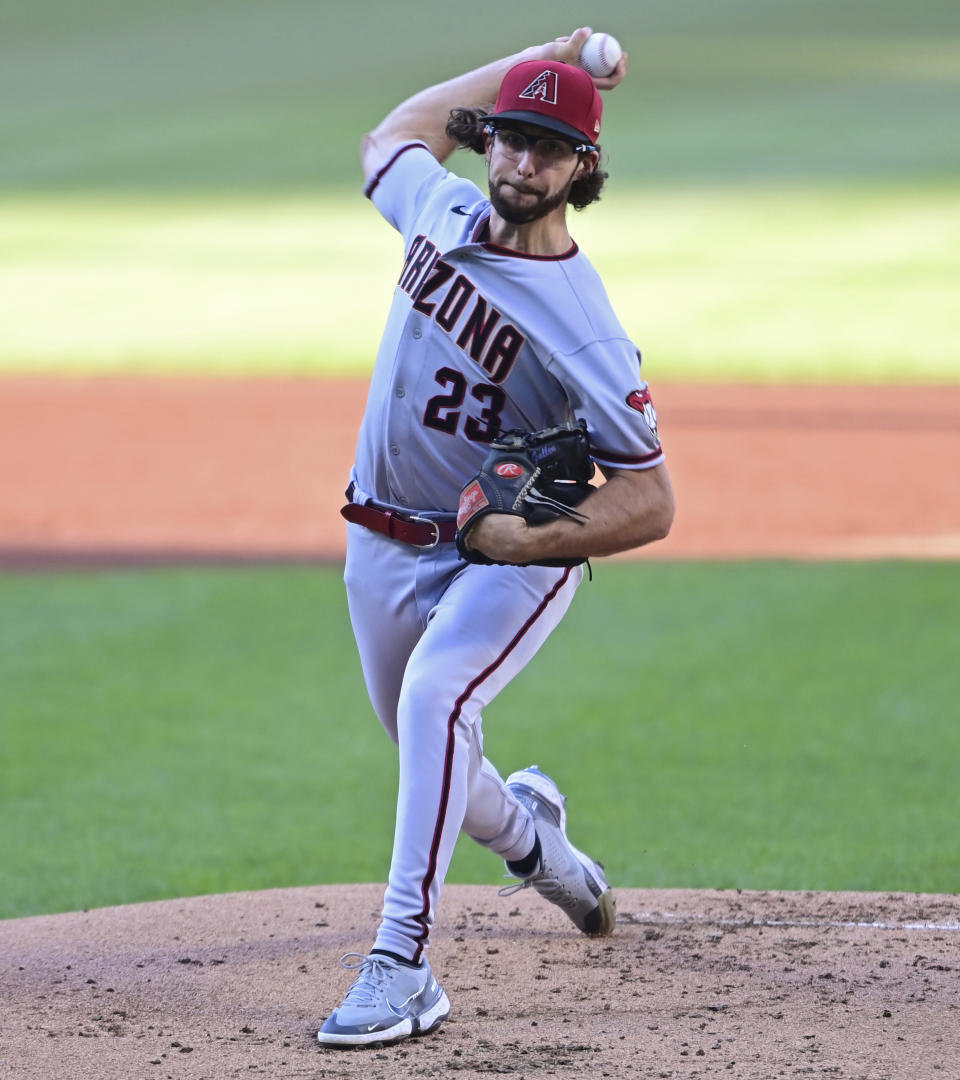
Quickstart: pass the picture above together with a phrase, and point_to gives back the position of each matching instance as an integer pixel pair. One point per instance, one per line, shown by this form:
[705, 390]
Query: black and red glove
[537, 475]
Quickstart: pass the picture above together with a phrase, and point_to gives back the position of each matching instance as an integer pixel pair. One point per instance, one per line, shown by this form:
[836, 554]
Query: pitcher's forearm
[632, 509]
[424, 116]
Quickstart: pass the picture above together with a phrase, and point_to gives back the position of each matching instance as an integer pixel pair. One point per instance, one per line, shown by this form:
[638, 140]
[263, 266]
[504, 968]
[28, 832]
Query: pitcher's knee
[424, 710]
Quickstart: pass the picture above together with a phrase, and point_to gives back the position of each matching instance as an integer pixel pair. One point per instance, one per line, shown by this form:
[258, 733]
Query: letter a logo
[543, 88]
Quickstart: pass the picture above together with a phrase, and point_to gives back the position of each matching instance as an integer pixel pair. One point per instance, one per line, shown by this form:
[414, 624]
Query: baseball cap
[554, 95]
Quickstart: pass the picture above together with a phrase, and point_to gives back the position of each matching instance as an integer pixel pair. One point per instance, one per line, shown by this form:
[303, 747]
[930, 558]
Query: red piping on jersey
[483, 229]
[626, 459]
[448, 759]
[378, 176]
[496, 249]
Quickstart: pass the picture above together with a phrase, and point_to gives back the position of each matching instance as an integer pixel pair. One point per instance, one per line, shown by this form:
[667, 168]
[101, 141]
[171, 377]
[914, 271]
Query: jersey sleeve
[603, 383]
[413, 189]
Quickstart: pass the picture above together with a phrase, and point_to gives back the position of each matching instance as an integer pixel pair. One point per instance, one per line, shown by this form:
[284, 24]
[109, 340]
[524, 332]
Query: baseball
[600, 54]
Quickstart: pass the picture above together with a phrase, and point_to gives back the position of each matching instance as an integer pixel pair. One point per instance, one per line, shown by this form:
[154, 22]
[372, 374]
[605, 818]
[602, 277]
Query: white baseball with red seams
[479, 338]
[600, 55]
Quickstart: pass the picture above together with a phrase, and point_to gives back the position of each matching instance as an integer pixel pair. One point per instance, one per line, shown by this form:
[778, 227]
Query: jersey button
[417, 333]
[395, 450]
[401, 392]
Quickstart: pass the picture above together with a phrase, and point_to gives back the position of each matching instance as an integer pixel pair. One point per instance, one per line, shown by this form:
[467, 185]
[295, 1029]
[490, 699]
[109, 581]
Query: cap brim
[540, 120]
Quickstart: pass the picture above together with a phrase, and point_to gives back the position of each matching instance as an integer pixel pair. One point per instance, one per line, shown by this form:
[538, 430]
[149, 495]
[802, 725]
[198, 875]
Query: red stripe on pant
[448, 759]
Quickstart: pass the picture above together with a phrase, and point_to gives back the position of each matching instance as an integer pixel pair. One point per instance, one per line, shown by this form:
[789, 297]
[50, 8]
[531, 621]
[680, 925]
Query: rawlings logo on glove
[538, 475]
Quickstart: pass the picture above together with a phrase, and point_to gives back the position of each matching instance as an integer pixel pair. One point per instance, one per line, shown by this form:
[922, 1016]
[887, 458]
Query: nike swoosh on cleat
[461, 210]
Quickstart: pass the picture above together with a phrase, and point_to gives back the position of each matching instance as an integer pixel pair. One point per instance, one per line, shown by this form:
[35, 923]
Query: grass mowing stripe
[178, 733]
[766, 725]
[243, 95]
[835, 283]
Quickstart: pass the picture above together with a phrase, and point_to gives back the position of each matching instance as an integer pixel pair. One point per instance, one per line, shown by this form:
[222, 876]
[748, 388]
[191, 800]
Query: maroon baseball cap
[554, 95]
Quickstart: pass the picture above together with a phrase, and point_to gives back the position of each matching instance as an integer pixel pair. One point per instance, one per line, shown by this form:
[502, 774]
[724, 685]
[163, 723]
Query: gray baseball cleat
[566, 877]
[387, 1002]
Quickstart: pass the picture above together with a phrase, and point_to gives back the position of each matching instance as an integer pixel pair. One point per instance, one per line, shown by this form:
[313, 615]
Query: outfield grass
[803, 284]
[180, 188]
[176, 732]
[246, 96]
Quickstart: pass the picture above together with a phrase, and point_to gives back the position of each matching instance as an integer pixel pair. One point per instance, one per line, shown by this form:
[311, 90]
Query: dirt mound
[692, 984]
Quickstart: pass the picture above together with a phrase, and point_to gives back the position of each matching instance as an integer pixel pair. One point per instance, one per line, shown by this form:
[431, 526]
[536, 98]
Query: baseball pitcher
[503, 382]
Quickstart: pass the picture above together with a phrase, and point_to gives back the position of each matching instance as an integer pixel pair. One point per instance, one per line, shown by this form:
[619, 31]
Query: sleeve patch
[641, 401]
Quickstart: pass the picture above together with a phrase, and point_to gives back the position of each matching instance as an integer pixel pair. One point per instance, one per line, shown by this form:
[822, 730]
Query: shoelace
[550, 888]
[372, 980]
[509, 890]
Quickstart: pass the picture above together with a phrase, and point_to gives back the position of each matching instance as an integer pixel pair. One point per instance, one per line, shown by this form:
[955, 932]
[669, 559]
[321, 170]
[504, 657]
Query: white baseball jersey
[480, 338]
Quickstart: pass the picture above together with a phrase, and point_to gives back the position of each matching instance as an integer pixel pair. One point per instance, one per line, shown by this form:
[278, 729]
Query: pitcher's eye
[552, 148]
[512, 141]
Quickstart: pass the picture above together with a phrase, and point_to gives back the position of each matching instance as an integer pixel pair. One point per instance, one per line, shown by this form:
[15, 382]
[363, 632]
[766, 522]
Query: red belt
[418, 531]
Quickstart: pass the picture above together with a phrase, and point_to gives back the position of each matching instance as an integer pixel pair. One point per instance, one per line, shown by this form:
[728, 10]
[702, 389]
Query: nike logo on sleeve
[461, 210]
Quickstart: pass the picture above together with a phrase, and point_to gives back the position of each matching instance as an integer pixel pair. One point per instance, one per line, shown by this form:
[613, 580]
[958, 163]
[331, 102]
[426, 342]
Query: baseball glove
[537, 475]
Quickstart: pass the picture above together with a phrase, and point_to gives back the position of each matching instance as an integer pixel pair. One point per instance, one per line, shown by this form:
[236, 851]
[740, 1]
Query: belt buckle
[436, 531]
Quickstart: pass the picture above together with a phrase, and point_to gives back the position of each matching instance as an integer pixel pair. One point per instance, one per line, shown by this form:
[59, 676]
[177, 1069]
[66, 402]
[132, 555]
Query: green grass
[176, 732]
[110, 96]
[180, 187]
[787, 283]
[181, 732]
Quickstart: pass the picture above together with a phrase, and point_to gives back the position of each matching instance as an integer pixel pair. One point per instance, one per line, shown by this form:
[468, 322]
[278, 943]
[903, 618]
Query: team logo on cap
[543, 88]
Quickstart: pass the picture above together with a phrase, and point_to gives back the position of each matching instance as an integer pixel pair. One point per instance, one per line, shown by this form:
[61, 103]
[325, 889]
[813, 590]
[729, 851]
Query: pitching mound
[692, 984]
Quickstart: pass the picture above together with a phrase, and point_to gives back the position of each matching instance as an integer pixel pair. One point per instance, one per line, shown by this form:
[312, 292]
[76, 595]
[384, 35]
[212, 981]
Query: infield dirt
[134, 470]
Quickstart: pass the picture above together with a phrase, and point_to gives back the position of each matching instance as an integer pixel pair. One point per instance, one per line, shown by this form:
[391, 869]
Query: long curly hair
[466, 129]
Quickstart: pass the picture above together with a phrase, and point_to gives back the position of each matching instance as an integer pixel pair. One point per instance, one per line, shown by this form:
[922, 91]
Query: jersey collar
[481, 234]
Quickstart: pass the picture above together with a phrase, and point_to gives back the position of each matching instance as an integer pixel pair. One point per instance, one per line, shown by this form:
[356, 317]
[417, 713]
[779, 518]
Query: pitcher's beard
[523, 216]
